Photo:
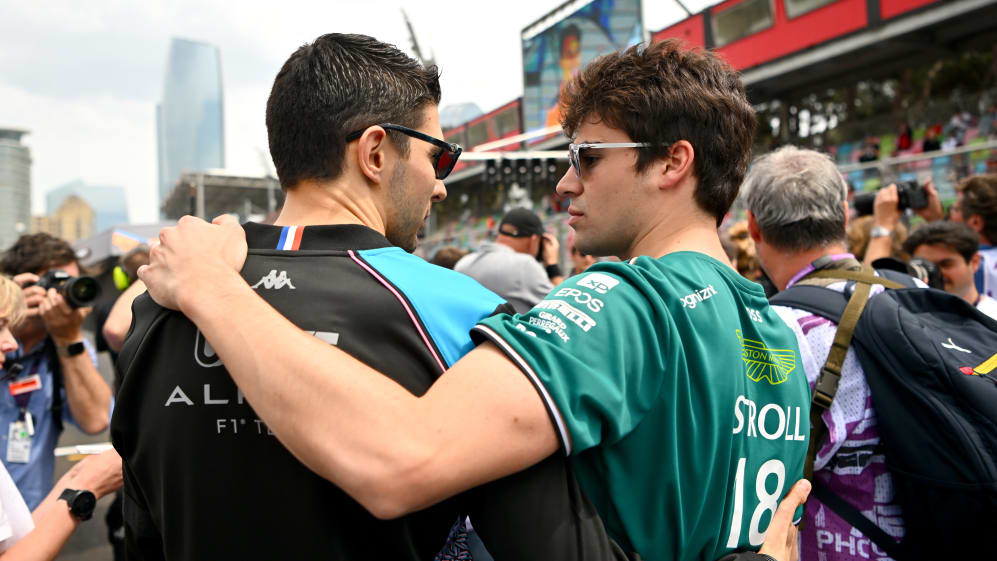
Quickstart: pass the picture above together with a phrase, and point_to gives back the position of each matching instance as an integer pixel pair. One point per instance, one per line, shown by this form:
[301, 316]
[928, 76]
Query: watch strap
[880, 232]
[81, 502]
[71, 350]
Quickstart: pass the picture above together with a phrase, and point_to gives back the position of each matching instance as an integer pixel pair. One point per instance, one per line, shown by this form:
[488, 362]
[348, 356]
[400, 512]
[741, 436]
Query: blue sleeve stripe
[448, 304]
[405, 305]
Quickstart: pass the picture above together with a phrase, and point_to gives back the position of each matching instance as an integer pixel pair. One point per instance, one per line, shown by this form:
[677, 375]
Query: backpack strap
[830, 375]
[854, 516]
[818, 300]
[866, 275]
[827, 303]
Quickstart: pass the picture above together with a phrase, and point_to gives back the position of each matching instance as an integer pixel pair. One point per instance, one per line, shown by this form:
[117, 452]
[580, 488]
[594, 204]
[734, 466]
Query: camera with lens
[927, 272]
[909, 195]
[79, 292]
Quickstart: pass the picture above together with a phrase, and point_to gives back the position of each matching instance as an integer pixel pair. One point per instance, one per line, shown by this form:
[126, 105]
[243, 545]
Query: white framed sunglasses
[574, 151]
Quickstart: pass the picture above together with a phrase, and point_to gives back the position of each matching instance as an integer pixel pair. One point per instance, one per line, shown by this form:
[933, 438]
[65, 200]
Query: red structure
[750, 33]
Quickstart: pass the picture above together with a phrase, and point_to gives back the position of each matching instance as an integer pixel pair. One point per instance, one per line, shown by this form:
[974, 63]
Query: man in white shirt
[953, 247]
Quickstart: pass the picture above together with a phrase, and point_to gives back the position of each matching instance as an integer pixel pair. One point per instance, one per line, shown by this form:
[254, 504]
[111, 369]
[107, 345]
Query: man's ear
[975, 222]
[370, 153]
[673, 169]
[974, 263]
[753, 231]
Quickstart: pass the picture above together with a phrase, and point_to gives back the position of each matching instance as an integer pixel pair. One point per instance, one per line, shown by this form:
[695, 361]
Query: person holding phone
[520, 265]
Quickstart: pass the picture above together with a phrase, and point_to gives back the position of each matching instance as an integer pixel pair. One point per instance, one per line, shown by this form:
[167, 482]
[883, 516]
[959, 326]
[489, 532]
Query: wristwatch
[879, 232]
[81, 502]
[71, 349]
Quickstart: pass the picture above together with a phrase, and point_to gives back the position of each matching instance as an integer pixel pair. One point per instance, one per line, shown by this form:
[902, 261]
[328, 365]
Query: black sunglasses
[444, 160]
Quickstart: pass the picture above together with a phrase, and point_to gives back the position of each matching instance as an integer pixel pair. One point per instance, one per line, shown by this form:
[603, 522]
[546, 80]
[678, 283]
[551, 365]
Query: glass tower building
[189, 120]
[15, 187]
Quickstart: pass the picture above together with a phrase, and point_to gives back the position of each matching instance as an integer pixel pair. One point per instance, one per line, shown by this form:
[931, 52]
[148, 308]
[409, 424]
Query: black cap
[521, 223]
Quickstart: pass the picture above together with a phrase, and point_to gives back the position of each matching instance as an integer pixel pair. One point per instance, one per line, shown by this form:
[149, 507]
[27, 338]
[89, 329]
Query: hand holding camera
[886, 209]
[908, 194]
[61, 300]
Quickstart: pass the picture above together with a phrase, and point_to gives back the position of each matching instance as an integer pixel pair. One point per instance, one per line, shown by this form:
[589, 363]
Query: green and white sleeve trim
[552, 410]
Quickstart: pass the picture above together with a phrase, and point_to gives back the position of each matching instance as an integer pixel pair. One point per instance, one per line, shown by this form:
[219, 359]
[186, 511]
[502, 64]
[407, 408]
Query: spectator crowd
[675, 395]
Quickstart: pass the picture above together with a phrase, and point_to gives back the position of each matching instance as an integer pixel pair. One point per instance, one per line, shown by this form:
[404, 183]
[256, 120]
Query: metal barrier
[945, 168]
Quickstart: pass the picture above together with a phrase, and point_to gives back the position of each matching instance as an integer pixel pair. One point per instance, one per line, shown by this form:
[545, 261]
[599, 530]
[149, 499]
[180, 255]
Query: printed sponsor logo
[549, 323]
[598, 282]
[523, 328]
[761, 362]
[952, 346]
[581, 297]
[571, 313]
[692, 300]
[273, 281]
[203, 353]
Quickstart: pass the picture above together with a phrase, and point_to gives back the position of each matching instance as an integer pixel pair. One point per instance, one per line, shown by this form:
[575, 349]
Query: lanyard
[810, 268]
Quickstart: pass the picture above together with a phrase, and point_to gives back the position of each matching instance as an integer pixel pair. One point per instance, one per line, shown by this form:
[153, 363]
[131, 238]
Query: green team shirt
[678, 393]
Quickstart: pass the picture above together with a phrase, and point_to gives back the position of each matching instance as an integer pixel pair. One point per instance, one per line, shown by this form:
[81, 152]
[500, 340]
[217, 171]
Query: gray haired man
[797, 213]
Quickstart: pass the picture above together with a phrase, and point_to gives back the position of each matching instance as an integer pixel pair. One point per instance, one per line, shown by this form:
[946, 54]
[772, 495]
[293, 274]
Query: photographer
[953, 248]
[58, 379]
[888, 207]
[976, 206]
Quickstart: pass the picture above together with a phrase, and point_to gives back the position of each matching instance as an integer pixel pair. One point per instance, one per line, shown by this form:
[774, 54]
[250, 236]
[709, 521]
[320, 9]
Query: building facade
[190, 120]
[74, 219]
[108, 203]
[15, 186]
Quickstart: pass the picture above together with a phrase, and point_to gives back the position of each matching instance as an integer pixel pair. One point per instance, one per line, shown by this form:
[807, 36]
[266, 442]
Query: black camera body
[909, 195]
[79, 292]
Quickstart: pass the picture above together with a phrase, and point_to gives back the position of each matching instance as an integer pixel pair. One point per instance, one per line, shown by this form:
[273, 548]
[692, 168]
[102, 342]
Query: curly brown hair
[32, 253]
[664, 93]
[979, 198]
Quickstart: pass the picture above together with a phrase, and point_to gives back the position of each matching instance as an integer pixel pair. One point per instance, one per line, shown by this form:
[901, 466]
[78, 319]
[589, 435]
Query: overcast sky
[84, 77]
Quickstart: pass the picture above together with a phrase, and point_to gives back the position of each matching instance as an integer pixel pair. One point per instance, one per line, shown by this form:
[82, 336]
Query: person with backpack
[901, 417]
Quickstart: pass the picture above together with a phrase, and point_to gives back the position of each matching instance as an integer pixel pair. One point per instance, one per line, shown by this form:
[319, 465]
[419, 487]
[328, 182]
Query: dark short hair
[334, 86]
[448, 256]
[664, 93]
[960, 237]
[32, 253]
[979, 197]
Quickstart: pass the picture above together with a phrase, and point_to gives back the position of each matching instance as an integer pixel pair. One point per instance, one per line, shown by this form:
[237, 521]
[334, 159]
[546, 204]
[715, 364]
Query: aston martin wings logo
[762, 362]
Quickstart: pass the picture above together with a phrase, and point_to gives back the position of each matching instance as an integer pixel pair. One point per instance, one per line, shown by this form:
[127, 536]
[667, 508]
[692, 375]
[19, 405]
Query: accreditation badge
[18, 443]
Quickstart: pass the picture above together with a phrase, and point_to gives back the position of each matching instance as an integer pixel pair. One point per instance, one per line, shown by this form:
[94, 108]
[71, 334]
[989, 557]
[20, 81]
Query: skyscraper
[15, 186]
[189, 120]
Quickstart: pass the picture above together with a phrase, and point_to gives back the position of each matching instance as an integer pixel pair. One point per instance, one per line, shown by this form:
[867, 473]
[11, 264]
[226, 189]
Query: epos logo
[585, 298]
[598, 282]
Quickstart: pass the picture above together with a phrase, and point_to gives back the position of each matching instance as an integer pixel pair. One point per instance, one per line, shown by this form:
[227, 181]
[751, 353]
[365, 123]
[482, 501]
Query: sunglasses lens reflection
[445, 163]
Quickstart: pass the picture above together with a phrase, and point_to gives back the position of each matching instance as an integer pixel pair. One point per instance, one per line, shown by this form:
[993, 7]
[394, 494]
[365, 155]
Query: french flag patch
[290, 238]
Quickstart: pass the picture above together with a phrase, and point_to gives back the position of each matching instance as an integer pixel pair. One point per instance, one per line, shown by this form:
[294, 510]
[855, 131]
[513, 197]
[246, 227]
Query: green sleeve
[594, 349]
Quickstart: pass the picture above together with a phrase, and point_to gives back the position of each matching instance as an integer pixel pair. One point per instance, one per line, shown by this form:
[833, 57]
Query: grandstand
[835, 75]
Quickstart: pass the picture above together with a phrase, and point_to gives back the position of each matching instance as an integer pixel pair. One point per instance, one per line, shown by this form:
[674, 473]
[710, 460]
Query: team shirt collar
[323, 237]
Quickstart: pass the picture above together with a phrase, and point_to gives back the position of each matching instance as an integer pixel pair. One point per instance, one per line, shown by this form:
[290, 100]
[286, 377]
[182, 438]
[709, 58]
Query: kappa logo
[952, 346]
[773, 365]
[274, 281]
[598, 282]
[204, 354]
